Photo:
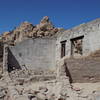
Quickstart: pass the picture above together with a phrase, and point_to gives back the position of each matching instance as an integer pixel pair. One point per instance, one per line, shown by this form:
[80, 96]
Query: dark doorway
[63, 48]
[13, 64]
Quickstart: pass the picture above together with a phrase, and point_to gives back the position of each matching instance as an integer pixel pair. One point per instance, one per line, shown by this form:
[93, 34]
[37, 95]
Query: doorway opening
[63, 48]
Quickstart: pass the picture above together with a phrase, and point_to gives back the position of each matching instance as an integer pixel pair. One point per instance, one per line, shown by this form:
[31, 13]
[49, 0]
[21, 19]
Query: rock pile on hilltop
[26, 30]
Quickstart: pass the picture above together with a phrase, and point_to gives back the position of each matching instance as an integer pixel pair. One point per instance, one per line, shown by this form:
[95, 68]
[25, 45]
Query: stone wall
[84, 70]
[1, 56]
[90, 33]
[34, 54]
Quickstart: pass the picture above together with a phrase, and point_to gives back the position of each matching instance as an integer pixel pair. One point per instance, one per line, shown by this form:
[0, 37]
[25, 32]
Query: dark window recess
[63, 49]
[15, 37]
[20, 54]
[77, 46]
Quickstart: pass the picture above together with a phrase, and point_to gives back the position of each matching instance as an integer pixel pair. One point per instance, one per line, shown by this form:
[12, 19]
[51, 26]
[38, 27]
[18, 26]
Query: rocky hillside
[26, 30]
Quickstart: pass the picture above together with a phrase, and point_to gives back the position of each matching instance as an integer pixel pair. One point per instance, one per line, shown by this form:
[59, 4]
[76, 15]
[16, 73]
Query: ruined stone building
[42, 62]
[43, 46]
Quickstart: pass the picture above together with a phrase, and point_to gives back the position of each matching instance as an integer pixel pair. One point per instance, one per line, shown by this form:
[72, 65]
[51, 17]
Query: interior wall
[34, 53]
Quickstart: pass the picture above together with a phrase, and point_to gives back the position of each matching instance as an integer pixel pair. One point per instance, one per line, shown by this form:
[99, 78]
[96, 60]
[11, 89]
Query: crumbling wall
[90, 41]
[5, 58]
[27, 30]
[34, 54]
[80, 67]
[1, 56]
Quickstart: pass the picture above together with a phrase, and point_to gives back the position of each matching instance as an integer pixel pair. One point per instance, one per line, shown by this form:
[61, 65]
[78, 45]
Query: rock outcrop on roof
[26, 30]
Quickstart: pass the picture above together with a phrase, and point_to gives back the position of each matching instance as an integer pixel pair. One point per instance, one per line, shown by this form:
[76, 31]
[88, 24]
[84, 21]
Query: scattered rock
[3, 93]
[41, 96]
[43, 89]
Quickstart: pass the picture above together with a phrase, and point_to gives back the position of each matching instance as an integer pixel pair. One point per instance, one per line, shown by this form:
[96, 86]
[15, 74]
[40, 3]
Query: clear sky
[63, 13]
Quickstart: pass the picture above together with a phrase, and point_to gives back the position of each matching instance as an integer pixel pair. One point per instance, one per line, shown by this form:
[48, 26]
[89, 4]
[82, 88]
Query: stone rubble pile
[58, 88]
[27, 30]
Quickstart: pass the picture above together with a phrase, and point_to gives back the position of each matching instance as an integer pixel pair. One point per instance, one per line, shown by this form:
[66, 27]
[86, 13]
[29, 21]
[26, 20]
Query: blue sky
[63, 13]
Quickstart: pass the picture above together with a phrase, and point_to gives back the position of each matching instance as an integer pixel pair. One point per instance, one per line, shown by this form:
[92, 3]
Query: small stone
[22, 98]
[43, 89]
[41, 96]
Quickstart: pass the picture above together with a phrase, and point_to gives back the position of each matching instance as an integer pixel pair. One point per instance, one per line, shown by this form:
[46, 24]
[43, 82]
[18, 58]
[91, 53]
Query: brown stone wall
[85, 69]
